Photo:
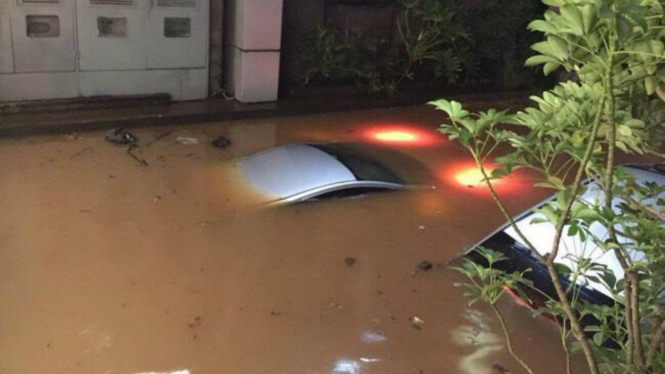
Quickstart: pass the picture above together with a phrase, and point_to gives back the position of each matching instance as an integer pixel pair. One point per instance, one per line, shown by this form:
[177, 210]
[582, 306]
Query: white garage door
[103, 47]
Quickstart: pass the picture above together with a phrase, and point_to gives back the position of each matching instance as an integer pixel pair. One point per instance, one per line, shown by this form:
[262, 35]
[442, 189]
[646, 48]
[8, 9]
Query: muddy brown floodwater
[108, 266]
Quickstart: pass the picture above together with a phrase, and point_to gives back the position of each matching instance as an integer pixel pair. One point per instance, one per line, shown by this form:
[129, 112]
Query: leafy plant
[616, 48]
[432, 43]
[488, 284]
[434, 35]
[322, 56]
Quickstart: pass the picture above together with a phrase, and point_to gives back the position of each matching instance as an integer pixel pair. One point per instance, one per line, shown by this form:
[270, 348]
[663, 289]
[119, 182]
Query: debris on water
[425, 265]
[72, 136]
[157, 198]
[120, 135]
[350, 261]
[195, 322]
[184, 140]
[336, 306]
[416, 323]
[140, 160]
[159, 137]
[421, 227]
[221, 142]
[84, 150]
[500, 369]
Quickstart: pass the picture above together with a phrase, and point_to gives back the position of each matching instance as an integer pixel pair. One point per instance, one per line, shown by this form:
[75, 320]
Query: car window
[361, 166]
[346, 193]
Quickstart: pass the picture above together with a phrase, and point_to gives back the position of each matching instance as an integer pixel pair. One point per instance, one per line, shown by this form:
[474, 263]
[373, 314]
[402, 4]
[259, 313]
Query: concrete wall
[254, 43]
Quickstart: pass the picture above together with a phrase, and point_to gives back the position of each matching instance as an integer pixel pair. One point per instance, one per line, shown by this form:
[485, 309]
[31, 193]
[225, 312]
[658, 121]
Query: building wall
[72, 48]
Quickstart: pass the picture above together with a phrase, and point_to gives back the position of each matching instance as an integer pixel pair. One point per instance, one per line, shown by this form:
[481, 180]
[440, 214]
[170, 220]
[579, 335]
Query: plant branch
[635, 355]
[508, 340]
[504, 210]
[656, 341]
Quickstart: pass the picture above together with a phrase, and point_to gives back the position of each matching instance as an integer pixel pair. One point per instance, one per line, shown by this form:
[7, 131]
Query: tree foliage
[572, 134]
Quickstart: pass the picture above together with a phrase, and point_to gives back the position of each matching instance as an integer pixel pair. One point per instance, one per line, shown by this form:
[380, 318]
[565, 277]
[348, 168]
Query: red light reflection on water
[396, 136]
[402, 135]
[467, 175]
[473, 177]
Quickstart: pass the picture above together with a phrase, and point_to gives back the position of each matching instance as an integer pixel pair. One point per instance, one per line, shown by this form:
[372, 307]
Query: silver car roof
[289, 170]
[542, 235]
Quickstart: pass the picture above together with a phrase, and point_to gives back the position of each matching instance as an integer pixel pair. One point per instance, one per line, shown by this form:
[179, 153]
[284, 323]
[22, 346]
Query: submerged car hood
[285, 171]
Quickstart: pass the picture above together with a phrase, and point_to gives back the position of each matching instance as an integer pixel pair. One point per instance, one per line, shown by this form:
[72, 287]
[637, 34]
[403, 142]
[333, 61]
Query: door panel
[111, 34]
[177, 34]
[6, 50]
[43, 35]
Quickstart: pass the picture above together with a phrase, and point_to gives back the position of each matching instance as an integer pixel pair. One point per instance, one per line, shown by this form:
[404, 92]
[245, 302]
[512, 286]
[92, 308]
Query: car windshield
[572, 247]
[361, 166]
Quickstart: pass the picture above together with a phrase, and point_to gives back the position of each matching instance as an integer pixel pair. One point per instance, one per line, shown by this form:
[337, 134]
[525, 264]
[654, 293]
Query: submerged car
[506, 241]
[309, 172]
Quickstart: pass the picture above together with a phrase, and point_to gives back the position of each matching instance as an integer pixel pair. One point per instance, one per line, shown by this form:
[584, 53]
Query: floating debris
[195, 322]
[84, 150]
[140, 160]
[350, 261]
[416, 323]
[120, 135]
[425, 265]
[72, 136]
[160, 137]
[500, 369]
[221, 142]
[184, 140]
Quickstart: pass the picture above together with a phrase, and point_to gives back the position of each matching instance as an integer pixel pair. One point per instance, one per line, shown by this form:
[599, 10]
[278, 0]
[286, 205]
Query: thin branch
[656, 341]
[505, 212]
[647, 210]
[569, 366]
[632, 285]
[508, 341]
[637, 331]
[652, 152]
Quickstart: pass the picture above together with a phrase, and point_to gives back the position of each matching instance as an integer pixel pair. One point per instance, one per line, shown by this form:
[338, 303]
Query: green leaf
[546, 49]
[573, 16]
[556, 182]
[543, 26]
[573, 230]
[539, 59]
[589, 17]
[456, 111]
[550, 67]
[624, 28]
[598, 338]
[562, 269]
[559, 46]
[554, 3]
